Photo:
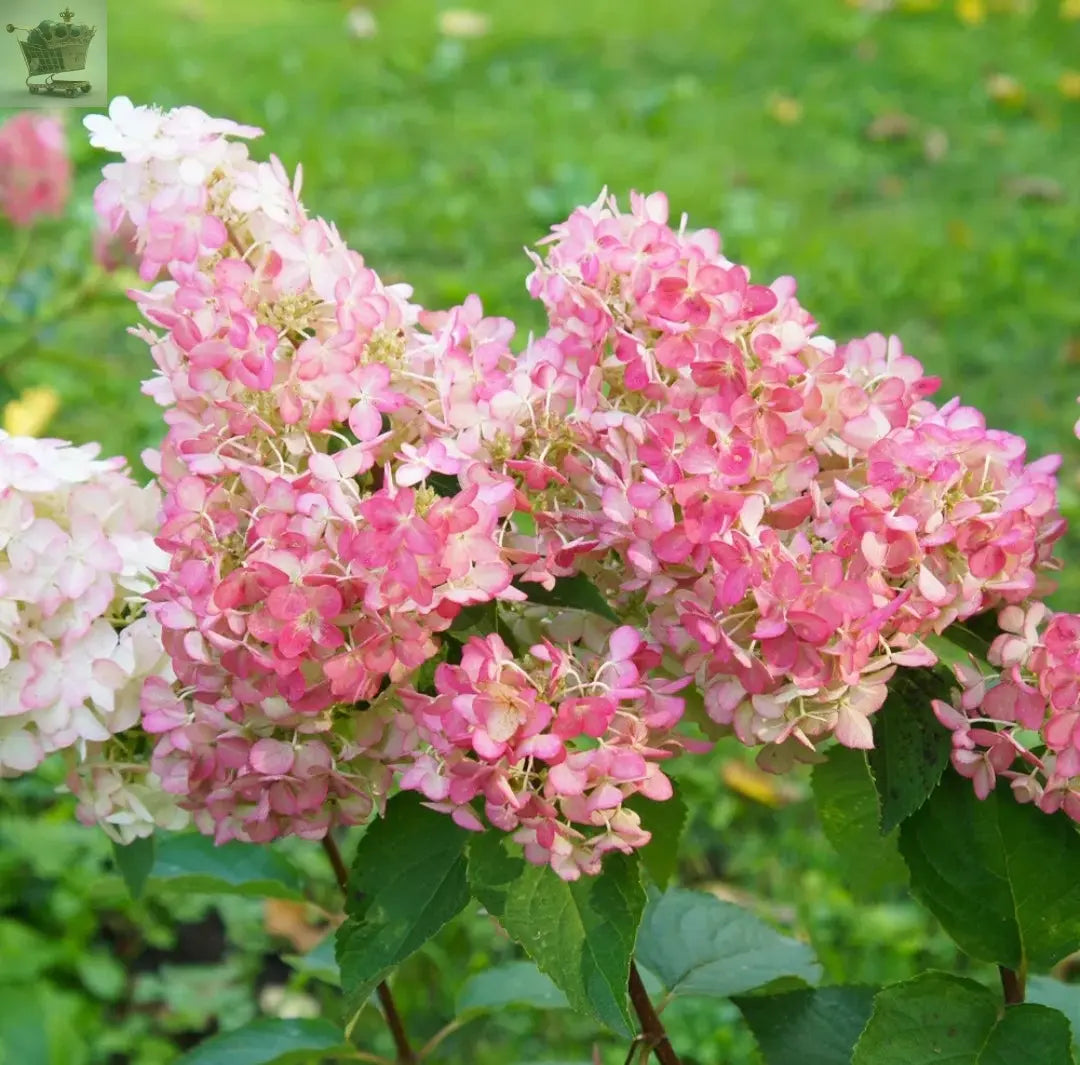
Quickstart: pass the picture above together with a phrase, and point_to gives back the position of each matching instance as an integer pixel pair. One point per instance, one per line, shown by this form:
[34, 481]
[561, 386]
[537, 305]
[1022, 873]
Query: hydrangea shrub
[403, 568]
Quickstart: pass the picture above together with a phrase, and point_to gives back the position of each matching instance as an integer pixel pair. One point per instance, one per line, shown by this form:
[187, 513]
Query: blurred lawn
[918, 173]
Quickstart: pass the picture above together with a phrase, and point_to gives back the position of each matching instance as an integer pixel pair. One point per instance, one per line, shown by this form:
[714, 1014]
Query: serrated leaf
[408, 879]
[911, 749]
[666, 822]
[697, 945]
[577, 592]
[937, 1019]
[983, 868]
[1025, 1027]
[268, 1041]
[847, 805]
[134, 862]
[192, 862]
[581, 934]
[517, 983]
[1046, 991]
[818, 1026]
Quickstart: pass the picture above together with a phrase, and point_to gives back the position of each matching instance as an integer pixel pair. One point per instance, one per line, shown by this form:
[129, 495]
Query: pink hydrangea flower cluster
[1020, 721]
[786, 516]
[35, 171]
[76, 555]
[548, 742]
[777, 518]
[309, 566]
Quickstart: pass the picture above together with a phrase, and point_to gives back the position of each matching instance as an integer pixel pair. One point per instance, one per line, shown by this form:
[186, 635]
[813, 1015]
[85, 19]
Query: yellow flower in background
[1069, 85]
[785, 109]
[31, 412]
[1006, 90]
[757, 785]
[971, 11]
[461, 22]
[1070, 9]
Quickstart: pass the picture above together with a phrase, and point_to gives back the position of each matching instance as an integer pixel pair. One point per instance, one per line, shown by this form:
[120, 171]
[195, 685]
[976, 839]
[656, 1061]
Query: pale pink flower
[1032, 694]
[35, 170]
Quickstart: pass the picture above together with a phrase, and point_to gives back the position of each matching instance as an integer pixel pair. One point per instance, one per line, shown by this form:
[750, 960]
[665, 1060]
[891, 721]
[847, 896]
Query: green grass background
[907, 186]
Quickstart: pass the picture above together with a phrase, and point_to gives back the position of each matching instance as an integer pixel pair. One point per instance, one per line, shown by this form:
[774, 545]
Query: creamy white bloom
[77, 557]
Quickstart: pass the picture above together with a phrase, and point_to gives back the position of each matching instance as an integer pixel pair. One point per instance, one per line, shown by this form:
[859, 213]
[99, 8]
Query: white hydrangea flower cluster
[76, 559]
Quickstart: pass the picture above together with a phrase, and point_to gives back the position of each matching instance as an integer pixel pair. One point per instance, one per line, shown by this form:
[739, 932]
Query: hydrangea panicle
[308, 566]
[792, 515]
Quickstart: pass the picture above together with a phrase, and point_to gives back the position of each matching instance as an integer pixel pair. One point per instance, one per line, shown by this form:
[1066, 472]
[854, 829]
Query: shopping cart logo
[58, 47]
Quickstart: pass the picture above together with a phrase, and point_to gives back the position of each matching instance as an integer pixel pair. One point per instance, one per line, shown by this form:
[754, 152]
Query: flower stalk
[405, 1053]
[653, 1034]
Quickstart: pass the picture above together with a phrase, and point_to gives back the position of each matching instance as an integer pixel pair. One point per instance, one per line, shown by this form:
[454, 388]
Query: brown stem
[652, 1029]
[1012, 984]
[341, 871]
[405, 1054]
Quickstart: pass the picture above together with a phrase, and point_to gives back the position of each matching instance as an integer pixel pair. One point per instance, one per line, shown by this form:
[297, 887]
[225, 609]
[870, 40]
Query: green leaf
[134, 862]
[818, 1026]
[581, 934]
[1046, 991]
[938, 1019]
[577, 592]
[698, 945]
[666, 821]
[517, 983]
[1024, 1028]
[1002, 878]
[479, 619]
[269, 1041]
[408, 879]
[192, 862]
[911, 749]
[847, 804]
[39, 1027]
[972, 636]
[445, 485]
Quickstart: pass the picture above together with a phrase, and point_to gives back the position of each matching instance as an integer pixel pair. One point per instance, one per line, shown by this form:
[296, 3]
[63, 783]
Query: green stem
[446, 1030]
[22, 250]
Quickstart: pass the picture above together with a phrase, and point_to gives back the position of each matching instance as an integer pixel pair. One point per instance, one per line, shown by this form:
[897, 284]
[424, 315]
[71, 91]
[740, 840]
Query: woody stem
[405, 1053]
